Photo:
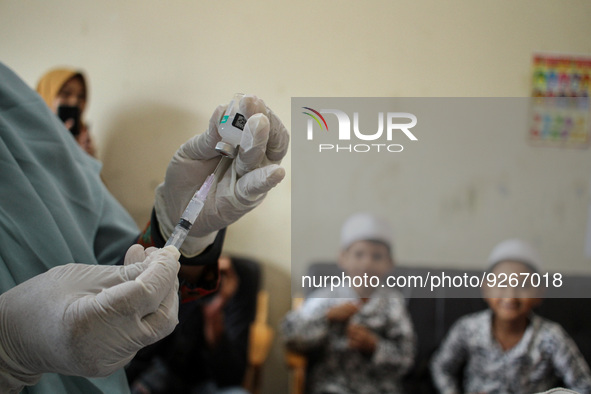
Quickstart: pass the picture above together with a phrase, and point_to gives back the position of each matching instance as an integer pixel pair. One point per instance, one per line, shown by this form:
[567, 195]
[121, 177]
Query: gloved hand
[87, 320]
[253, 173]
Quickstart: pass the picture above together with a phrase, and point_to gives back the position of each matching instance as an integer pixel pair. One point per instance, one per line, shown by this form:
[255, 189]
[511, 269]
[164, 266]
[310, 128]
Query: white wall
[158, 69]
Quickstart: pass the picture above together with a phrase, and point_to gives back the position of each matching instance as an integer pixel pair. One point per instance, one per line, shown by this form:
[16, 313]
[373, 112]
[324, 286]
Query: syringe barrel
[190, 214]
[178, 237]
[192, 210]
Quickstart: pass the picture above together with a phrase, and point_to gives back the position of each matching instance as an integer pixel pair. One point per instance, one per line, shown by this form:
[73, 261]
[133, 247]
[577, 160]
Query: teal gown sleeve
[54, 209]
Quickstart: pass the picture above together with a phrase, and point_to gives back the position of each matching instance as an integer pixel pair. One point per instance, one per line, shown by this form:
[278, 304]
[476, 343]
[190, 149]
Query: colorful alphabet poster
[560, 103]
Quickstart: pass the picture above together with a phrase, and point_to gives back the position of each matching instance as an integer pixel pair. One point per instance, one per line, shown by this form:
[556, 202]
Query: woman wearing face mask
[65, 90]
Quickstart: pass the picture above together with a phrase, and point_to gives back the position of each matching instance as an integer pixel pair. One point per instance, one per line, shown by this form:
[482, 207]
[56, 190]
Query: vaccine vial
[230, 128]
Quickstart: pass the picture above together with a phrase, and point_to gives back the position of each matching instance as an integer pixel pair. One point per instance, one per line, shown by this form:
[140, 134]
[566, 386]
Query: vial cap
[226, 149]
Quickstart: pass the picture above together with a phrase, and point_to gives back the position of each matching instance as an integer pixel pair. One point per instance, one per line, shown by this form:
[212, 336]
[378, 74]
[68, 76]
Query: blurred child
[362, 337]
[207, 351]
[507, 348]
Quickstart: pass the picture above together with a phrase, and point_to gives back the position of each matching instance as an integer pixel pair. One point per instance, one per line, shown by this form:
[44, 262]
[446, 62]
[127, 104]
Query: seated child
[207, 351]
[507, 348]
[362, 337]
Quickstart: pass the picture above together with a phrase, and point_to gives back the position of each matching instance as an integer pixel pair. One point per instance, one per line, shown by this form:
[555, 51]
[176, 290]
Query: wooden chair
[297, 363]
[261, 337]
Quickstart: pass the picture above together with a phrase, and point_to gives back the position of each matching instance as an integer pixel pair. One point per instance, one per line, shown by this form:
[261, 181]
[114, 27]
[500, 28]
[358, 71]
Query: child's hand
[343, 312]
[361, 338]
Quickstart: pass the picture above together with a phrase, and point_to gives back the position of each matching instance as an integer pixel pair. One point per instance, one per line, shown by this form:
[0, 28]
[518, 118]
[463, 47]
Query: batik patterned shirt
[544, 356]
[337, 368]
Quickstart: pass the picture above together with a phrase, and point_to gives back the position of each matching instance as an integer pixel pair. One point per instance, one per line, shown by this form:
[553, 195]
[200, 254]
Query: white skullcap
[365, 227]
[515, 250]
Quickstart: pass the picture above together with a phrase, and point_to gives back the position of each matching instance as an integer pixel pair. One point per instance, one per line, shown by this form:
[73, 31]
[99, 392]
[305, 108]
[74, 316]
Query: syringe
[230, 129]
[190, 214]
[196, 204]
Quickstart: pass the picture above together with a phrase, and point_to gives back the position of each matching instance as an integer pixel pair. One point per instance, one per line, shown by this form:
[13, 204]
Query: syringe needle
[221, 168]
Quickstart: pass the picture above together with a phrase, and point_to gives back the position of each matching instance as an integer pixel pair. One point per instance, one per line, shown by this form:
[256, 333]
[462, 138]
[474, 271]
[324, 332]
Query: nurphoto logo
[395, 122]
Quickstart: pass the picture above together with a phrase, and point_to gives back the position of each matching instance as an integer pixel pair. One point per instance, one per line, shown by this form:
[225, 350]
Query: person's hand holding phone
[70, 115]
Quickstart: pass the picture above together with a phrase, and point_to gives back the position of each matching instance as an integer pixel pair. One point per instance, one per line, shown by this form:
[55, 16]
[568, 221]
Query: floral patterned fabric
[544, 358]
[336, 367]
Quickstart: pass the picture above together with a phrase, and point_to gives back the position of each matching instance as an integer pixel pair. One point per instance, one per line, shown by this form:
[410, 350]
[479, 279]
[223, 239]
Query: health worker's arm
[243, 186]
[199, 275]
[86, 320]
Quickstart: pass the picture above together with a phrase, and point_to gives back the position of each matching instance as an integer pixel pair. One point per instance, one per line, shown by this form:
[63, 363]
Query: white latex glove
[253, 173]
[86, 320]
